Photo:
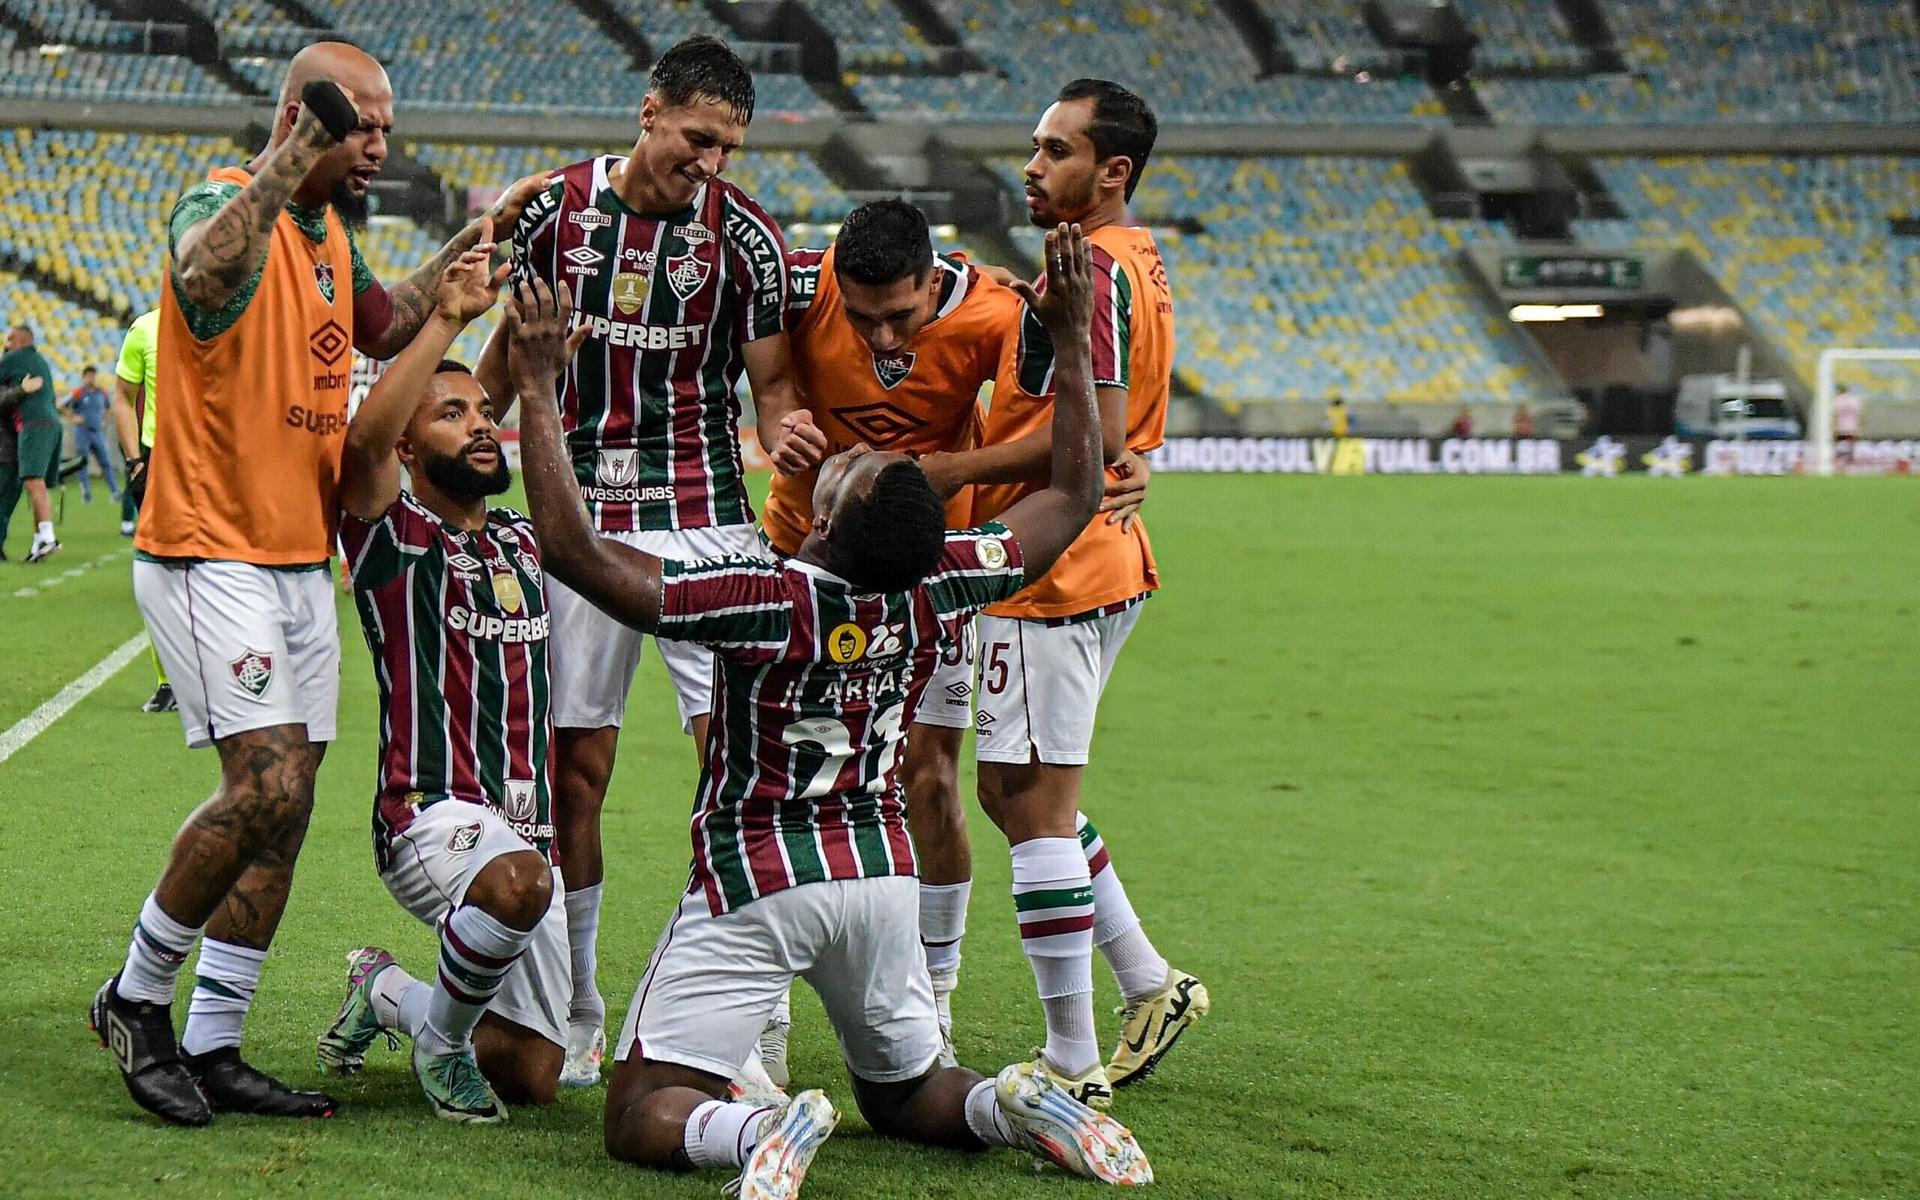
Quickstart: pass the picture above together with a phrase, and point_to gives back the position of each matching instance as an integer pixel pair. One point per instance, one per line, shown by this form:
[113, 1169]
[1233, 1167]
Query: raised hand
[469, 287]
[1066, 306]
[802, 445]
[538, 345]
[331, 105]
[512, 202]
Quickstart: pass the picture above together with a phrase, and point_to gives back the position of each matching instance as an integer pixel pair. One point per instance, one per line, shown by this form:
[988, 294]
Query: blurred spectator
[1523, 422]
[26, 399]
[1846, 423]
[1462, 424]
[1338, 423]
[88, 403]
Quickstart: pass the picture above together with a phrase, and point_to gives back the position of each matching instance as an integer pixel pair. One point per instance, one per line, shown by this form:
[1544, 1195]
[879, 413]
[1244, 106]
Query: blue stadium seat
[1322, 276]
[1803, 244]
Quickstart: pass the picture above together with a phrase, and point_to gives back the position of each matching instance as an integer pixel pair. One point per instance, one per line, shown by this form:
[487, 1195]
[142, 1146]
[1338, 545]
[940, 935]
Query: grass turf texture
[1535, 837]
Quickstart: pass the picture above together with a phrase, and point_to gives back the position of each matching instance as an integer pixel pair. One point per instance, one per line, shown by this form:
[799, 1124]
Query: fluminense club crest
[253, 671]
[686, 275]
[323, 277]
[892, 369]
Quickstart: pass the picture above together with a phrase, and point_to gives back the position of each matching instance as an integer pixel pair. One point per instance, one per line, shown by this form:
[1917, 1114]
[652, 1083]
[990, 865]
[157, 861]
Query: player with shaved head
[264, 297]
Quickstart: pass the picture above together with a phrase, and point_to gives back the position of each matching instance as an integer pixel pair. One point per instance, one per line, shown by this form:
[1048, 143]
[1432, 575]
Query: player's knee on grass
[648, 1104]
[522, 1066]
[514, 889]
[931, 1110]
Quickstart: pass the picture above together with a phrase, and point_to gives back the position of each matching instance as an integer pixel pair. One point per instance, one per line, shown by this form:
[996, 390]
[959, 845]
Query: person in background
[1339, 424]
[1462, 424]
[26, 401]
[9, 472]
[88, 403]
[1523, 422]
[134, 377]
[1846, 424]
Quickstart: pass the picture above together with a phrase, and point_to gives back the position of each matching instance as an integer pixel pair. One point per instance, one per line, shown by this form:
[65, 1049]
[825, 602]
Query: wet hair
[891, 538]
[703, 68]
[1122, 125]
[882, 242]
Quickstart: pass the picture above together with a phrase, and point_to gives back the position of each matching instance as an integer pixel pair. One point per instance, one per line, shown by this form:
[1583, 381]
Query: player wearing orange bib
[891, 345]
[264, 297]
[1046, 654]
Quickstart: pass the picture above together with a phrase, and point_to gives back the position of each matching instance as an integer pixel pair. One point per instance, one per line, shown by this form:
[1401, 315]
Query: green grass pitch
[1536, 837]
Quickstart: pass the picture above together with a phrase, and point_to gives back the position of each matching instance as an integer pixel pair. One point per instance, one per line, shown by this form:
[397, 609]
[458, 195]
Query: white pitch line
[35, 723]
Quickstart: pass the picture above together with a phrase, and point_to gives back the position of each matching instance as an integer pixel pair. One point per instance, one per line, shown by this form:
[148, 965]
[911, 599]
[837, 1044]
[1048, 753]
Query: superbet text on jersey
[648, 403]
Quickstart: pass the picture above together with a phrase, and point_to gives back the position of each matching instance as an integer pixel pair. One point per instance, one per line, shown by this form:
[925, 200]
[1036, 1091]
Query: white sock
[721, 1133]
[583, 935]
[159, 948]
[223, 988]
[399, 1000]
[43, 532]
[943, 922]
[1053, 901]
[984, 1117]
[476, 952]
[1137, 966]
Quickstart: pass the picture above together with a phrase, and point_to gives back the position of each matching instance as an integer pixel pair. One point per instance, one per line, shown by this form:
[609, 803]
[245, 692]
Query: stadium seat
[1320, 276]
[1139, 41]
[71, 336]
[1803, 244]
[789, 184]
[93, 209]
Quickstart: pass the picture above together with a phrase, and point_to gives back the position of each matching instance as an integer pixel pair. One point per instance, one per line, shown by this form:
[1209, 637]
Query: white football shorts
[713, 981]
[594, 656]
[245, 647]
[1040, 684]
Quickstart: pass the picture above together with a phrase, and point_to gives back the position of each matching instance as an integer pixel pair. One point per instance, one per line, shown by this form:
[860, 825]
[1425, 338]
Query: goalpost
[1820, 436]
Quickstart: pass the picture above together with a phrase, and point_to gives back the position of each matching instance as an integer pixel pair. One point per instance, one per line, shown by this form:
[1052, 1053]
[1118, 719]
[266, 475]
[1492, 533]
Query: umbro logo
[120, 1042]
[880, 424]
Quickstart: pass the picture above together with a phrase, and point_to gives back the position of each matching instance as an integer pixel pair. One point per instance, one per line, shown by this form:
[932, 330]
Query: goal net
[1884, 385]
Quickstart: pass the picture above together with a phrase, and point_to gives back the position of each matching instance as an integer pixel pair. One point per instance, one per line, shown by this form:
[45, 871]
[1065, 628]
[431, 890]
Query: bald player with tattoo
[264, 295]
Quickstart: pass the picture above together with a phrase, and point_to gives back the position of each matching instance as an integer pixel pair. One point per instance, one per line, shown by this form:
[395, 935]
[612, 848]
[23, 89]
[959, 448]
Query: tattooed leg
[256, 820]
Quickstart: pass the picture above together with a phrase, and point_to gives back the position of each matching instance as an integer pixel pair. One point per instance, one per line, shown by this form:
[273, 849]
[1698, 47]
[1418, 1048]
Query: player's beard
[460, 479]
[1063, 206]
[354, 208]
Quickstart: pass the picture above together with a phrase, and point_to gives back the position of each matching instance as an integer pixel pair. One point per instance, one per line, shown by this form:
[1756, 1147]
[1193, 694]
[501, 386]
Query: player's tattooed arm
[214, 259]
[622, 582]
[413, 300]
[369, 469]
[1047, 522]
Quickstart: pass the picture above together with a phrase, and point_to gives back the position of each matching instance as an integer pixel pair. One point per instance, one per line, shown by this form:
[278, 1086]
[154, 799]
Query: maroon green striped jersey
[457, 622]
[648, 403]
[817, 683]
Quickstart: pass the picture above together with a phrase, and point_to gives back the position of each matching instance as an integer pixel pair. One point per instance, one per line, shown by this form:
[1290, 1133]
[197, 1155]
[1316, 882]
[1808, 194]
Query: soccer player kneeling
[802, 865]
[454, 606]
